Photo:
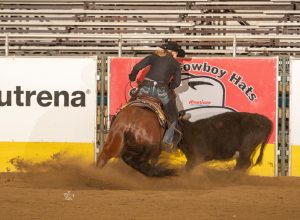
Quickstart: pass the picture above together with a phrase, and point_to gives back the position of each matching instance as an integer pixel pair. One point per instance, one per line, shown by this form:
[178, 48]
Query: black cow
[221, 136]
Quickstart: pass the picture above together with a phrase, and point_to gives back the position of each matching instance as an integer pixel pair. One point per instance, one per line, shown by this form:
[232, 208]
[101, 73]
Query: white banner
[49, 99]
[294, 125]
[294, 101]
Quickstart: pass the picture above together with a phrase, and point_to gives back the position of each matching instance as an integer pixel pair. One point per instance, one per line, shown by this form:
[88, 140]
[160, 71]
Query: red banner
[210, 86]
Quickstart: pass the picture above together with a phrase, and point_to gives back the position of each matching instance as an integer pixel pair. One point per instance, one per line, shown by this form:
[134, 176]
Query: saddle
[152, 104]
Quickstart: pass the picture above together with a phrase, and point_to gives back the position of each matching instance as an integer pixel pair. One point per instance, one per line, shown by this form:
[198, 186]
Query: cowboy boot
[167, 142]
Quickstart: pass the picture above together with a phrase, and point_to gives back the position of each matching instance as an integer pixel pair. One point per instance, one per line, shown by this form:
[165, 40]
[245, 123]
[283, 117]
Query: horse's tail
[267, 134]
[137, 158]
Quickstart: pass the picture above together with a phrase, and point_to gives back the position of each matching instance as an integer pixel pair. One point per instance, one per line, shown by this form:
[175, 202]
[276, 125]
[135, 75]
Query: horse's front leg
[112, 148]
[102, 159]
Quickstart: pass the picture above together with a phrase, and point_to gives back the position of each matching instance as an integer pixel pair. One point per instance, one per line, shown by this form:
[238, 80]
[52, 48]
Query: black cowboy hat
[181, 53]
[172, 45]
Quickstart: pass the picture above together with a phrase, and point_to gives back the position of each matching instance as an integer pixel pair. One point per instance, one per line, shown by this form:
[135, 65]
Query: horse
[135, 135]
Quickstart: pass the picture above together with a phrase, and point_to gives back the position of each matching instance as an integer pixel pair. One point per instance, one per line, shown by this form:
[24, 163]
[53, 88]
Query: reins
[125, 91]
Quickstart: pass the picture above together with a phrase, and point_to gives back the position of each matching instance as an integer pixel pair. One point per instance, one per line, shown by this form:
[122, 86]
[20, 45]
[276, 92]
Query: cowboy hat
[181, 53]
[172, 45]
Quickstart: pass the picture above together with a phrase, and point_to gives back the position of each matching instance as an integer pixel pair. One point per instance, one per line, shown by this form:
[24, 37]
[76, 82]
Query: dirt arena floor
[66, 190]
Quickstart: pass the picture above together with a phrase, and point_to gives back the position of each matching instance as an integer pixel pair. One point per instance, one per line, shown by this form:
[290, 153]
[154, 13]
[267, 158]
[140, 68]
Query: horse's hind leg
[112, 148]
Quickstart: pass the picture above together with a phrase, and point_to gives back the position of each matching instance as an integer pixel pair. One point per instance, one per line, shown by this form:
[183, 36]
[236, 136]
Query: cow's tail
[267, 135]
[261, 154]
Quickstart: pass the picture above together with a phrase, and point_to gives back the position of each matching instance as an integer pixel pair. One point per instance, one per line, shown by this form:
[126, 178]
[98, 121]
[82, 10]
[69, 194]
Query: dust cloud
[67, 172]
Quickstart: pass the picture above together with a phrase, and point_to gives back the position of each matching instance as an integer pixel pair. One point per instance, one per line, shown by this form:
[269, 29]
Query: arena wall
[48, 108]
[294, 141]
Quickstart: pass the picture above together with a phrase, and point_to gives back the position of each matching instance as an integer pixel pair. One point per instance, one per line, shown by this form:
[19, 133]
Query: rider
[160, 81]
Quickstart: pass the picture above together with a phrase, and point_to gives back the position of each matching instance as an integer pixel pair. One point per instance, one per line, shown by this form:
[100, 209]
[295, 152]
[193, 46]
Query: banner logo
[44, 98]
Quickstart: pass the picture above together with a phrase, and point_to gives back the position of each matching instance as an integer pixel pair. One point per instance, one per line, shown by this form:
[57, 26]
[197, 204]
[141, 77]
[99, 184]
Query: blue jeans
[167, 98]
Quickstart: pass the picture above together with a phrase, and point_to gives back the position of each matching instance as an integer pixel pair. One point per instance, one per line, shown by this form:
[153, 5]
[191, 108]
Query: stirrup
[171, 148]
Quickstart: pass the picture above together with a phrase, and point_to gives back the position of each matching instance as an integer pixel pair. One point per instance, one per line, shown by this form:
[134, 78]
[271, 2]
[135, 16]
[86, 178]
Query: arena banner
[294, 126]
[211, 86]
[48, 107]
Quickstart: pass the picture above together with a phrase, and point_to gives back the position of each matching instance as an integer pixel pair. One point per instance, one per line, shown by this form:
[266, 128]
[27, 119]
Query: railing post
[234, 46]
[120, 46]
[102, 93]
[283, 119]
[6, 45]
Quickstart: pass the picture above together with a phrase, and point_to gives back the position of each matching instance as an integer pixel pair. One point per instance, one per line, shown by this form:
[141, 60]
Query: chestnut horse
[135, 136]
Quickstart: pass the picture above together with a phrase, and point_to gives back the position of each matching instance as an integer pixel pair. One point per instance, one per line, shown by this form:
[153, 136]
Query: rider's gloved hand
[131, 77]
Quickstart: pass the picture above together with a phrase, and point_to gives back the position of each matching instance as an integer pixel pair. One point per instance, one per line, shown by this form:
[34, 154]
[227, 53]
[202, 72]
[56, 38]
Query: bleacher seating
[127, 27]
